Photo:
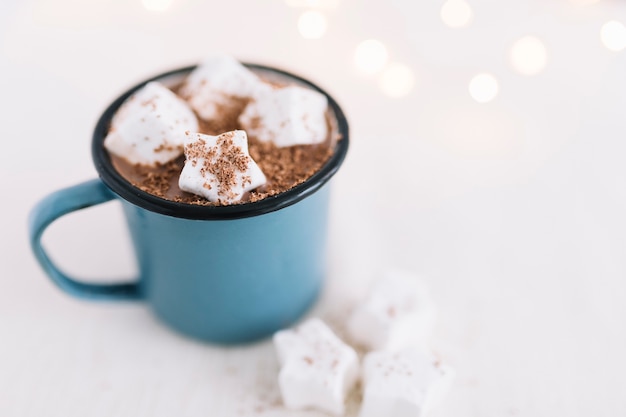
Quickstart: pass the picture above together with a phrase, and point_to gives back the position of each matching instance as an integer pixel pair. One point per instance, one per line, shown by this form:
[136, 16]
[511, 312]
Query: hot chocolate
[283, 166]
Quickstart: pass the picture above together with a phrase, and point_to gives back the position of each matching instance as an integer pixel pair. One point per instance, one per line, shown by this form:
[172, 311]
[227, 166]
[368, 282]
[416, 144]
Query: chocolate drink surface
[284, 167]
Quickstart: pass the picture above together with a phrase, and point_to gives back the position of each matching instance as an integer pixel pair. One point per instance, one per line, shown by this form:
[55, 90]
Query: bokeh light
[483, 88]
[529, 55]
[456, 13]
[397, 80]
[613, 35]
[370, 56]
[312, 24]
[157, 5]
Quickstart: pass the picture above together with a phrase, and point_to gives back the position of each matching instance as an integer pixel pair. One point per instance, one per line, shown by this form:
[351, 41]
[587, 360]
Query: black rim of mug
[130, 193]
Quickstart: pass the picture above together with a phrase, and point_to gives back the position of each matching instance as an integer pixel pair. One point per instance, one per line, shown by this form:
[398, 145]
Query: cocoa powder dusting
[285, 167]
[226, 117]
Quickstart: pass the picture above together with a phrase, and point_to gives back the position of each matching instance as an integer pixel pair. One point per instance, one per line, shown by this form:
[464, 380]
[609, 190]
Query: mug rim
[119, 185]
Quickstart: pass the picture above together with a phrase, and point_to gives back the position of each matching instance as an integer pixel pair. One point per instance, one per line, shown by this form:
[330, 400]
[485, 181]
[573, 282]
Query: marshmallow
[219, 168]
[318, 369]
[404, 384]
[287, 116]
[218, 85]
[397, 313]
[149, 127]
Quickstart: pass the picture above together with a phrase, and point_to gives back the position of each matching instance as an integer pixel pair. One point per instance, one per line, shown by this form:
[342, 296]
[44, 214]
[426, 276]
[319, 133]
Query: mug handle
[56, 205]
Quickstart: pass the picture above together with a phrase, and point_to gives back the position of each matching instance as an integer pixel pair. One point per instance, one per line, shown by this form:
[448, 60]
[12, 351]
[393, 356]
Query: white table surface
[514, 211]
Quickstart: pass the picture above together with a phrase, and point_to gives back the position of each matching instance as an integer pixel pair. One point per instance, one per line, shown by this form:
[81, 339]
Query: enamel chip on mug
[150, 126]
[219, 85]
[287, 116]
[409, 383]
[219, 168]
[397, 313]
[318, 369]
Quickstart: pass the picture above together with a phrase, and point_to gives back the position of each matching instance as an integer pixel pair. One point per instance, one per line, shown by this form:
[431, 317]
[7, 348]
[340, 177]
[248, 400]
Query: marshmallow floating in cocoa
[318, 369]
[219, 85]
[397, 313]
[286, 116]
[219, 168]
[149, 128]
[408, 383]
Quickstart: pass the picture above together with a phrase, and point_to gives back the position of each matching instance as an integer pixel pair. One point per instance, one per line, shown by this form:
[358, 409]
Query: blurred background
[488, 139]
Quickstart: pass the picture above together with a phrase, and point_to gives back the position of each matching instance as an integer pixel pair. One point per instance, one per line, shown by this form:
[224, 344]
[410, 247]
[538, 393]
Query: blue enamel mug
[227, 274]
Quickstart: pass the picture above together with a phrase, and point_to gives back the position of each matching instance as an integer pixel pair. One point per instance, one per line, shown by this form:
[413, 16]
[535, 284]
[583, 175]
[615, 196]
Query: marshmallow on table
[318, 369]
[286, 116]
[149, 127]
[218, 84]
[403, 384]
[397, 313]
[219, 168]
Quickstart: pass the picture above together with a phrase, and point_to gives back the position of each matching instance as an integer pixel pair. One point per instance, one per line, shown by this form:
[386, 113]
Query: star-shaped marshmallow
[287, 116]
[149, 128]
[403, 384]
[219, 168]
[220, 85]
[397, 313]
[318, 369]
